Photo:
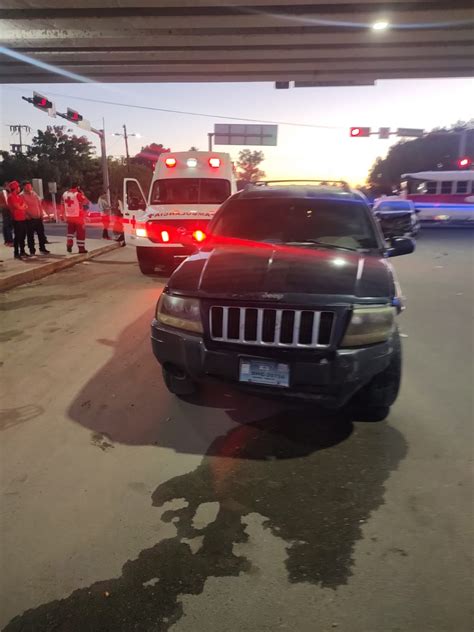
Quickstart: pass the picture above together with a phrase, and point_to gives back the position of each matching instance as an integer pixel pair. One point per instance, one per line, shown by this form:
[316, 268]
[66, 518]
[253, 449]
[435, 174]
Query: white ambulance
[186, 190]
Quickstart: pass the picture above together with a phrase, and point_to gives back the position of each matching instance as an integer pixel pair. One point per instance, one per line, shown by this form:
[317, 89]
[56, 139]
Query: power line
[202, 114]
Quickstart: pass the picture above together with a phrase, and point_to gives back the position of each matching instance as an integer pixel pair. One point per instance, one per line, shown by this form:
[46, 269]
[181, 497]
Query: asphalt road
[125, 509]
[93, 231]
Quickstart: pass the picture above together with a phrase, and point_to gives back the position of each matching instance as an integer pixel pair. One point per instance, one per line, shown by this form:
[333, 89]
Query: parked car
[397, 216]
[92, 214]
[290, 294]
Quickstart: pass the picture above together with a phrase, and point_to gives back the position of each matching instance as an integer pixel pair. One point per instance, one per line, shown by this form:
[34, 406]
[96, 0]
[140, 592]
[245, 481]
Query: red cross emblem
[69, 201]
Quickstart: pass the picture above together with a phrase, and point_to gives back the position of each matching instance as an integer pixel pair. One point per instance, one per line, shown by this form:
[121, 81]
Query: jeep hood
[270, 272]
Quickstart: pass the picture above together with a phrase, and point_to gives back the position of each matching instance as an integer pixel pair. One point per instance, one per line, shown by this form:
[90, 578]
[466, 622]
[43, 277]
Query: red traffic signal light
[41, 102]
[74, 116]
[359, 132]
[465, 162]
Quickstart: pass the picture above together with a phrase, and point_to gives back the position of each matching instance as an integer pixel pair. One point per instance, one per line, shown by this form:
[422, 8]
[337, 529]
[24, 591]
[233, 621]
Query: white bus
[441, 197]
[186, 190]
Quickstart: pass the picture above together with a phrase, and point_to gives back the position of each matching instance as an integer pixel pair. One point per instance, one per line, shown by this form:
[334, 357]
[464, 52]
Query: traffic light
[41, 102]
[359, 132]
[73, 116]
[464, 163]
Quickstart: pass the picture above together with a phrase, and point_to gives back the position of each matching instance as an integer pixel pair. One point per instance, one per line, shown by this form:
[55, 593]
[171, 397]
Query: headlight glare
[369, 324]
[179, 312]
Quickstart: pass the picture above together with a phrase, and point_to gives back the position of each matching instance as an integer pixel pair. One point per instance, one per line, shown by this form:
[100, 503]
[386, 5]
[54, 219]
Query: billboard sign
[410, 132]
[236, 134]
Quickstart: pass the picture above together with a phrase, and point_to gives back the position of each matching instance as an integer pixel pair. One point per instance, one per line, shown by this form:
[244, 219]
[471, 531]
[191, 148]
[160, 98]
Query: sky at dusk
[302, 152]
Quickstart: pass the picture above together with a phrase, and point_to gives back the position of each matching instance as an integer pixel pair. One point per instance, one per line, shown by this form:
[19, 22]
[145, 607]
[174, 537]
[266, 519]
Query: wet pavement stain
[31, 301]
[10, 417]
[6, 336]
[99, 440]
[322, 482]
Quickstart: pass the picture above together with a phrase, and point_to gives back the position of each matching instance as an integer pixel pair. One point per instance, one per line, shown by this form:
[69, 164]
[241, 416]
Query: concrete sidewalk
[15, 272]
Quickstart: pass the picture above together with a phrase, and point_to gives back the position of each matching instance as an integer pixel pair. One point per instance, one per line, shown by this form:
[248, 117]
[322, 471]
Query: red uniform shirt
[17, 206]
[74, 201]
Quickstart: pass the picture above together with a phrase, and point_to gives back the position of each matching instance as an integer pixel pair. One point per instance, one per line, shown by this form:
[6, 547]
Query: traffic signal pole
[45, 105]
[210, 138]
[462, 143]
[103, 153]
[105, 164]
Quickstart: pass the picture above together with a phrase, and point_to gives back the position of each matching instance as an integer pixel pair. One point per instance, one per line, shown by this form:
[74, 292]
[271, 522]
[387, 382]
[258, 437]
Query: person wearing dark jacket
[7, 222]
[34, 219]
[17, 207]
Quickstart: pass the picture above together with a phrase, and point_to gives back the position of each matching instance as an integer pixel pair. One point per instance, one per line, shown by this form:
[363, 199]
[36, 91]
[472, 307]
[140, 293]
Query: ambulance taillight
[199, 235]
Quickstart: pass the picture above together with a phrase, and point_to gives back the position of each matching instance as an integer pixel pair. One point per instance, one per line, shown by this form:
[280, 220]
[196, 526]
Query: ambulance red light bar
[170, 162]
[165, 236]
[214, 162]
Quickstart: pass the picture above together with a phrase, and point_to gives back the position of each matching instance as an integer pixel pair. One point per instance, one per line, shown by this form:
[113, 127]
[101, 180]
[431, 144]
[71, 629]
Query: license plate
[267, 372]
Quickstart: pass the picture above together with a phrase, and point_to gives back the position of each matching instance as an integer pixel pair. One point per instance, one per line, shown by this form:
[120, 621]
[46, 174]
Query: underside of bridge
[309, 42]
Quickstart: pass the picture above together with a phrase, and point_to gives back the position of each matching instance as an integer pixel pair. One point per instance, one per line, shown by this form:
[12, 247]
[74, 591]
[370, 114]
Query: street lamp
[380, 25]
[125, 136]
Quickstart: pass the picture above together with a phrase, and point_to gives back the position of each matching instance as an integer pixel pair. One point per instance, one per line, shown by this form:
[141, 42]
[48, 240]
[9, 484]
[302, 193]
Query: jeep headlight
[369, 324]
[182, 313]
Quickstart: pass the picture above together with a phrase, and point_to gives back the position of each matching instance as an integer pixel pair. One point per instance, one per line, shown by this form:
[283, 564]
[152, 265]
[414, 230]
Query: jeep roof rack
[331, 183]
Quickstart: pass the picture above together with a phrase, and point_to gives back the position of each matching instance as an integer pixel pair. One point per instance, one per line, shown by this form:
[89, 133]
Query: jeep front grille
[290, 328]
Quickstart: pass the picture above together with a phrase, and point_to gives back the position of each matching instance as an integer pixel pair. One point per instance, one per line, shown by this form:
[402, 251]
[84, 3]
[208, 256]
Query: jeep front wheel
[178, 382]
[372, 402]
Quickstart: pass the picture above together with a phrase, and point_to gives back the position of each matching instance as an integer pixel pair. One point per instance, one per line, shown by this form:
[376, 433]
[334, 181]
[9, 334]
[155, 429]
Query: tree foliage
[118, 171]
[437, 150]
[248, 169]
[63, 157]
[15, 166]
[149, 155]
[56, 156]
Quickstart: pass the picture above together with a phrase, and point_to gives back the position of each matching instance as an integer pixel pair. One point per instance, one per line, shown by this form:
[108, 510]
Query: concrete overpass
[310, 42]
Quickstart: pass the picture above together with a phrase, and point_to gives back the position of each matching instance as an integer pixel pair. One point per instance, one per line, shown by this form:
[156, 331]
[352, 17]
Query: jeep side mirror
[400, 246]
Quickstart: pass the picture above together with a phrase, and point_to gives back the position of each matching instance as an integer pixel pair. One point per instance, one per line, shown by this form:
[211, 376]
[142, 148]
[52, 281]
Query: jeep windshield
[297, 222]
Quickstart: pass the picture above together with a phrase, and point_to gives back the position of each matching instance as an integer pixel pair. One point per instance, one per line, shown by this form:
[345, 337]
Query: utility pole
[18, 129]
[127, 153]
[125, 136]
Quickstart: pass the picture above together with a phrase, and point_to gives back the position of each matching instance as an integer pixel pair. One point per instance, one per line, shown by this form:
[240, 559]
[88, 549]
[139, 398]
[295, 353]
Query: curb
[27, 276]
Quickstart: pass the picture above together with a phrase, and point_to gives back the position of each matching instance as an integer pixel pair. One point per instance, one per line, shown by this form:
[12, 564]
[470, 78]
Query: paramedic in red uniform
[74, 201]
[34, 219]
[17, 207]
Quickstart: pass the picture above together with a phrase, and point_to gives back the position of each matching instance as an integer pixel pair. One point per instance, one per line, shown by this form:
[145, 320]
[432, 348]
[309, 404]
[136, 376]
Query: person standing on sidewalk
[105, 211]
[117, 213]
[34, 219]
[17, 207]
[74, 201]
[7, 222]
